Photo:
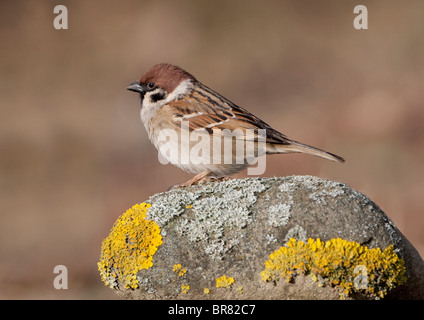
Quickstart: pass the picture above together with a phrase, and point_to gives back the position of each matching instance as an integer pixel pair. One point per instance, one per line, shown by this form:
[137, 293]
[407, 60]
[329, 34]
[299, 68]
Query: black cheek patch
[157, 96]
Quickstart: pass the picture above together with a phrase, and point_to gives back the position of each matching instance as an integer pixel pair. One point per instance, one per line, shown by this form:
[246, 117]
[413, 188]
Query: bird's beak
[135, 86]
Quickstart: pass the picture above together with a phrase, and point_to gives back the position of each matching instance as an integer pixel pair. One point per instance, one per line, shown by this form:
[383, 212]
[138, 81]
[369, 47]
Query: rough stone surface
[230, 228]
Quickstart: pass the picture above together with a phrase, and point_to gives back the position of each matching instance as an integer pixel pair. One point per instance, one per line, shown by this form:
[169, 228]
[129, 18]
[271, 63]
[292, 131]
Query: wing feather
[204, 108]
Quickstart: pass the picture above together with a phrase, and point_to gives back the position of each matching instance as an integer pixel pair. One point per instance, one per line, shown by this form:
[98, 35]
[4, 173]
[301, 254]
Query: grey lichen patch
[167, 205]
[312, 183]
[288, 186]
[215, 207]
[320, 197]
[270, 238]
[279, 214]
[248, 185]
[308, 182]
[393, 234]
[321, 189]
[297, 232]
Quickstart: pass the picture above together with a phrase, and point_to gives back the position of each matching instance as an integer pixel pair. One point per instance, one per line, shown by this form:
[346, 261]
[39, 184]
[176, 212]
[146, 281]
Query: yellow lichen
[185, 288]
[206, 290]
[224, 282]
[178, 268]
[129, 248]
[346, 265]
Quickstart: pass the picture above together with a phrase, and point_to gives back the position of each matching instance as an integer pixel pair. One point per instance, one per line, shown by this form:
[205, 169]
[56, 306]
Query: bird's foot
[200, 178]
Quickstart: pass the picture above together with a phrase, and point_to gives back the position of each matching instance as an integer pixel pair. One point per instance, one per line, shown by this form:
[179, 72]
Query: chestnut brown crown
[165, 76]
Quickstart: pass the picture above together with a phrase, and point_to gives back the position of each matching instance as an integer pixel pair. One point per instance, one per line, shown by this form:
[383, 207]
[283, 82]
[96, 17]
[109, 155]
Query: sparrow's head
[161, 84]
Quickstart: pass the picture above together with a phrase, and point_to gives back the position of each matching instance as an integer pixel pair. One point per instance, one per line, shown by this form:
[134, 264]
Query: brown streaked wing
[205, 108]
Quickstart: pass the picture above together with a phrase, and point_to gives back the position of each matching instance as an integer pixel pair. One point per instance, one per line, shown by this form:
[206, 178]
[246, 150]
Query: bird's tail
[297, 147]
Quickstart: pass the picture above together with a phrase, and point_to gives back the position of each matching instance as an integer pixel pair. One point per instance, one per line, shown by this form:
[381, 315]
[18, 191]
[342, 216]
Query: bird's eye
[151, 85]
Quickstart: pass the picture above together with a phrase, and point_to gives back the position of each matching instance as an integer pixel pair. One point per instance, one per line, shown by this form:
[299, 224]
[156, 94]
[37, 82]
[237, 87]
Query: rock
[231, 240]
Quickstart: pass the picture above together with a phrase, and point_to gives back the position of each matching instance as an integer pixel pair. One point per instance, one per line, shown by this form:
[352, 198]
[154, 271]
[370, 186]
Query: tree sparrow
[173, 100]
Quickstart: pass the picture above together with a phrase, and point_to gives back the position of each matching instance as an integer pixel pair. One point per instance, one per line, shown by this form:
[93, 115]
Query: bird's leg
[197, 178]
[201, 177]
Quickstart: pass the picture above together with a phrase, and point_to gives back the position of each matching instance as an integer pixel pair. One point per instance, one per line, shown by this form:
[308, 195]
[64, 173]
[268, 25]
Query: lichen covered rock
[236, 239]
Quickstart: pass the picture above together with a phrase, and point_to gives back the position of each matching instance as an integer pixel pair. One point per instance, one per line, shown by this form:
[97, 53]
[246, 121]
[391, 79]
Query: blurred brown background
[74, 154]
